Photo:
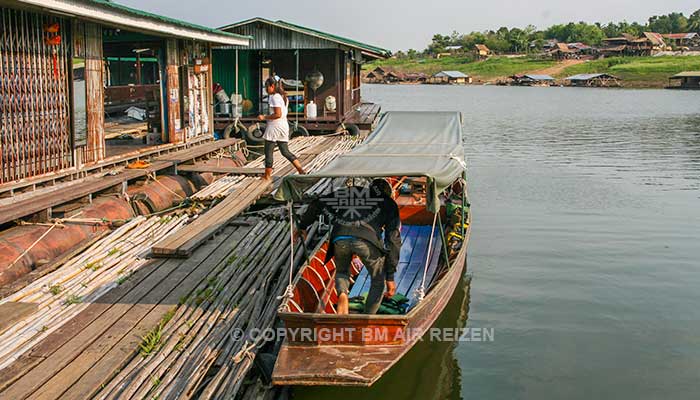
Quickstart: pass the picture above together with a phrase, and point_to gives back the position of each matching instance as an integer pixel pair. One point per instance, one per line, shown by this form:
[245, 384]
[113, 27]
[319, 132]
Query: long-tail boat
[422, 154]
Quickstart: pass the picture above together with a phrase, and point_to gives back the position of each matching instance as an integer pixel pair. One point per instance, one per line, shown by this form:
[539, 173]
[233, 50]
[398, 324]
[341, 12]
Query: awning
[414, 144]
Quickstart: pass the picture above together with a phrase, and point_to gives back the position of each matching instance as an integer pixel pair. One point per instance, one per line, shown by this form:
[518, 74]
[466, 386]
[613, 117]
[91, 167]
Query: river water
[585, 251]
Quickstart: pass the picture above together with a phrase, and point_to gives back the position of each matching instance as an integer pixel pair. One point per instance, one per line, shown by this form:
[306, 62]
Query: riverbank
[635, 72]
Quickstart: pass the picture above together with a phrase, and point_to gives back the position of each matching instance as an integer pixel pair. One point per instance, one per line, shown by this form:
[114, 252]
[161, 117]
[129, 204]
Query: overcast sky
[400, 25]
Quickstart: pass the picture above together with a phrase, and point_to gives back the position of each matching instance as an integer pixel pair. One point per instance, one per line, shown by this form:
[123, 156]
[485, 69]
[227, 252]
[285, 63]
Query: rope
[461, 162]
[420, 292]
[152, 176]
[33, 244]
[245, 352]
[28, 249]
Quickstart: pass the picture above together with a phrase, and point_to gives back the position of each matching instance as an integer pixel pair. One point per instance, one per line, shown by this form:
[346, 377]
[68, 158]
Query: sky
[400, 25]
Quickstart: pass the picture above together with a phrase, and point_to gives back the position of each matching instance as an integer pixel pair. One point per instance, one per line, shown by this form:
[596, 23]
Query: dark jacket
[363, 213]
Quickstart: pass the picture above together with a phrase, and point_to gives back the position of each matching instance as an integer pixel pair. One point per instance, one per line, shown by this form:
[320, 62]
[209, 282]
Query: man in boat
[359, 216]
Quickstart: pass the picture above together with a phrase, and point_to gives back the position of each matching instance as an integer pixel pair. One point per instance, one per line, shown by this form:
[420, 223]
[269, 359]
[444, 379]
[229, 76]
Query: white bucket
[311, 112]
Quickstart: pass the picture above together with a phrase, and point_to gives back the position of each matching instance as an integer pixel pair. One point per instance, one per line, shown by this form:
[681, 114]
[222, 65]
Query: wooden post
[175, 132]
[209, 88]
[95, 149]
[340, 105]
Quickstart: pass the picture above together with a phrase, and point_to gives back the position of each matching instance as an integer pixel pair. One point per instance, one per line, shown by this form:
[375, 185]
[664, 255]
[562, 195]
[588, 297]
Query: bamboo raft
[66, 292]
[89, 346]
[227, 185]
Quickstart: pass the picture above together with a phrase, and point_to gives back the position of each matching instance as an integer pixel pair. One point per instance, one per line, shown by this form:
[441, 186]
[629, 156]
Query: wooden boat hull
[362, 365]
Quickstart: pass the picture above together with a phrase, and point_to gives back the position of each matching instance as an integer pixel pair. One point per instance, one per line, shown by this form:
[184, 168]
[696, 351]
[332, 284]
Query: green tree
[694, 22]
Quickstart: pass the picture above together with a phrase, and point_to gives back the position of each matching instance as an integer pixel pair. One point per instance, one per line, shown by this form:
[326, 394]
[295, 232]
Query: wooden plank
[71, 328]
[95, 150]
[199, 151]
[12, 312]
[417, 262]
[165, 274]
[96, 374]
[206, 226]
[35, 204]
[220, 170]
[110, 162]
[99, 362]
[52, 365]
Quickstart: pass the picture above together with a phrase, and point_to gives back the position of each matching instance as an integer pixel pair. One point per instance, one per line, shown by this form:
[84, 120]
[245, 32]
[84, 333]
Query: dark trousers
[371, 257]
[270, 151]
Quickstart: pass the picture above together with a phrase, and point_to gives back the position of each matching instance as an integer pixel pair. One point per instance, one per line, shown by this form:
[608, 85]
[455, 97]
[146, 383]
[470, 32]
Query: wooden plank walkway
[251, 189]
[221, 170]
[71, 174]
[77, 360]
[40, 202]
[365, 117]
[208, 224]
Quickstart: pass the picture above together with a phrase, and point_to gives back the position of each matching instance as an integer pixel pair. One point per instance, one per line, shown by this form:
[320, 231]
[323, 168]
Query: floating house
[685, 80]
[593, 80]
[70, 69]
[532, 80]
[313, 66]
[415, 77]
[450, 77]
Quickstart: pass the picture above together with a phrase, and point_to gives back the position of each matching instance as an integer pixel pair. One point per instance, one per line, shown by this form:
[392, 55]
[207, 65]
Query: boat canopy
[414, 144]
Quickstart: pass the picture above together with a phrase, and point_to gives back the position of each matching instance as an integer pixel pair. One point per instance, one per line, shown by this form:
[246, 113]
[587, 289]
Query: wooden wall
[95, 149]
[175, 132]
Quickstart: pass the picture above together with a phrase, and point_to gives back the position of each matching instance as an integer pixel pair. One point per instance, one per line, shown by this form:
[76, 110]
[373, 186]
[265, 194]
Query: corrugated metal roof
[688, 35]
[113, 14]
[585, 77]
[655, 38]
[563, 47]
[539, 77]
[377, 51]
[687, 74]
[451, 74]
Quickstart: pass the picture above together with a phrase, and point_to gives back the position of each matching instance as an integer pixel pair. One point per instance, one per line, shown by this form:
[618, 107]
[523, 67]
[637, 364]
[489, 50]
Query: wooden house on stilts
[74, 72]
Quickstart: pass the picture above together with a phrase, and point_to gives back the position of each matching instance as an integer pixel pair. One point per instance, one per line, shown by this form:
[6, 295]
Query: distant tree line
[523, 40]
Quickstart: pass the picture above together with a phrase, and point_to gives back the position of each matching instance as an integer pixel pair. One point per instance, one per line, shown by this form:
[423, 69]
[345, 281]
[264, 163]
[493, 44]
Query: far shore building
[482, 51]
[648, 44]
[393, 77]
[532, 80]
[689, 41]
[593, 80]
[562, 52]
[686, 80]
[450, 77]
[415, 77]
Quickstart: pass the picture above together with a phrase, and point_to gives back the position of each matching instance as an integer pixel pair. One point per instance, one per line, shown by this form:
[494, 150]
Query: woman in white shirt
[277, 129]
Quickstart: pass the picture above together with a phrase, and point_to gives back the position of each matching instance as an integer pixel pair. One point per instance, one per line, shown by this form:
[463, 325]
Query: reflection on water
[584, 250]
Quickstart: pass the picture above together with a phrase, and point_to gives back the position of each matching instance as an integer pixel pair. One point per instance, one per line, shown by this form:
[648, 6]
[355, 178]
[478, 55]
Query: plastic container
[311, 111]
